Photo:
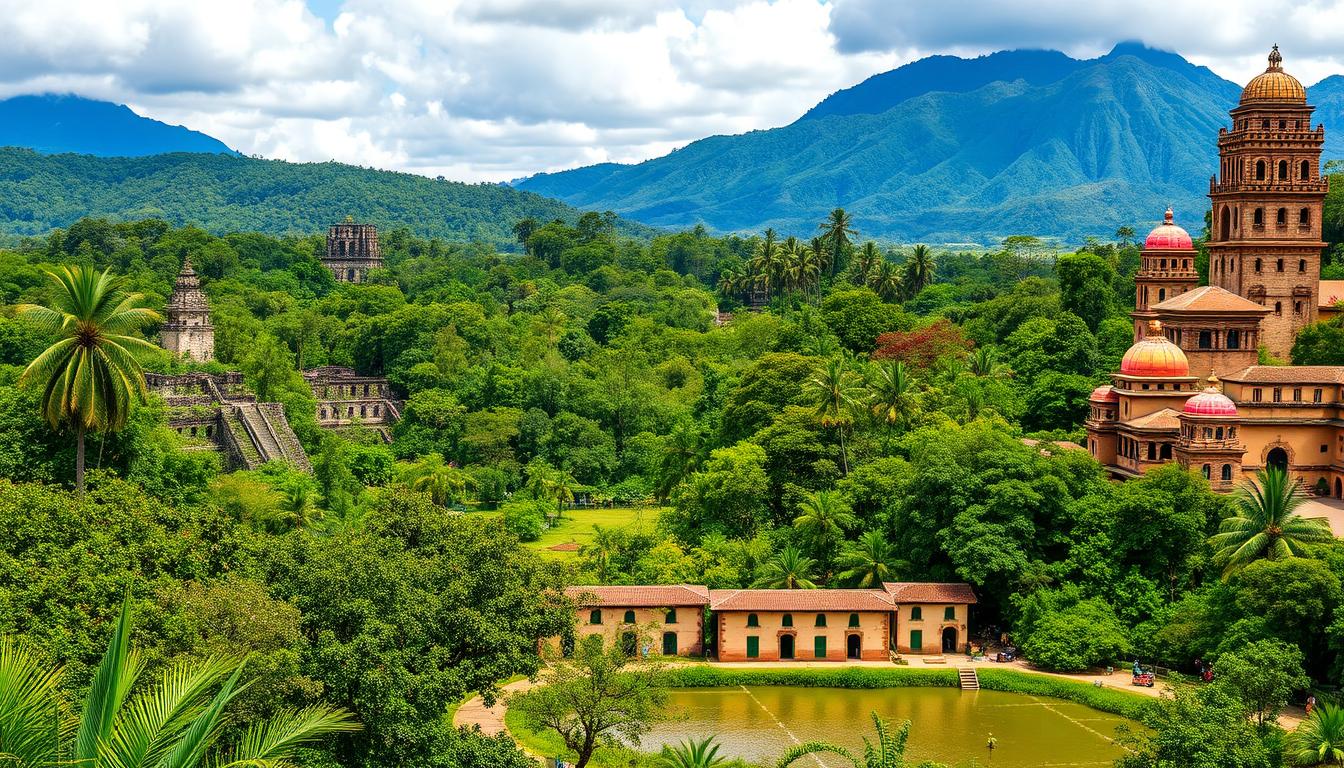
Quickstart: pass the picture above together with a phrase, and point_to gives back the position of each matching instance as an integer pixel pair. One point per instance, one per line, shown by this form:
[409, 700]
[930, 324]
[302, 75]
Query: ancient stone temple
[352, 250]
[1265, 243]
[347, 399]
[215, 412]
[187, 330]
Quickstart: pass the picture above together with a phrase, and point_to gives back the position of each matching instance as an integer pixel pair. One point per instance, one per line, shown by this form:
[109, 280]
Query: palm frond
[277, 738]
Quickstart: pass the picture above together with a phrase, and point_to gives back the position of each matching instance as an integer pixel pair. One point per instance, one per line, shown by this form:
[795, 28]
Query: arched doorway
[629, 643]
[1277, 458]
[786, 646]
[949, 640]
[669, 643]
[1225, 228]
[853, 646]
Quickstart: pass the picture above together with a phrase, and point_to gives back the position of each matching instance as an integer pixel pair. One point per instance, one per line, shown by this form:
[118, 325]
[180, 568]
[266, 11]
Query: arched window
[1260, 167]
[1304, 216]
[1283, 170]
[1206, 340]
[854, 618]
[1258, 218]
[1234, 339]
[595, 616]
[788, 620]
[1205, 471]
[629, 617]
[1282, 218]
[1225, 230]
[1227, 471]
[1161, 294]
[821, 620]
[1306, 171]
[752, 620]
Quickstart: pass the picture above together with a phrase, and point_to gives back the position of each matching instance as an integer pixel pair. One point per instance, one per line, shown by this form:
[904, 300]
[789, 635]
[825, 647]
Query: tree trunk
[79, 459]
[844, 458]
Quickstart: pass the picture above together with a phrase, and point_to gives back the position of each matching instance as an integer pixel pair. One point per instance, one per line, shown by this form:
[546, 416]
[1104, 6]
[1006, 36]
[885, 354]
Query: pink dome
[1154, 356]
[1168, 237]
[1104, 394]
[1211, 402]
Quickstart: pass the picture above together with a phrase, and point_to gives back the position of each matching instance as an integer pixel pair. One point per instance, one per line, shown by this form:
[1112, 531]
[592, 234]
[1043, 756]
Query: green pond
[947, 724]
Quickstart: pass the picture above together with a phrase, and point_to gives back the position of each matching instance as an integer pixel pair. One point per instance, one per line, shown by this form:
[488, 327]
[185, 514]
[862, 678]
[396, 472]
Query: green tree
[90, 376]
[444, 482]
[1262, 675]
[1085, 281]
[919, 270]
[887, 752]
[727, 496]
[683, 452]
[869, 562]
[823, 521]
[836, 391]
[692, 753]
[1196, 727]
[837, 229]
[1265, 525]
[1319, 739]
[869, 259]
[790, 569]
[598, 696]
[176, 723]
[1319, 344]
[891, 394]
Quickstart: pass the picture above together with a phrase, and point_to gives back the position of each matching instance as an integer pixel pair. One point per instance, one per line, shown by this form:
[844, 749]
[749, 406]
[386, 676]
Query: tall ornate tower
[352, 250]
[1267, 199]
[187, 329]
[1166, 270]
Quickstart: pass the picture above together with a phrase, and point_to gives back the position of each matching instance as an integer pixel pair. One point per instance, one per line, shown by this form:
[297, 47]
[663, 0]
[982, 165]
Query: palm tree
[825, 518]
[601, 548]
[837, 228]
[90, 375]
[176, 722]
[919, 267]
[692, 753]
[836, 390]
[1265, 525]
[984, 362]
[869, 259]
[819, 247]
[765, 263]
[730, 283]
[1319, 740]
[888, 752]
[443, 482]
[297, 506]
[550, 323]
[886, 281]
[523, 229]
[869, 562]
[891, 393]
[682, 455]
[790, 569]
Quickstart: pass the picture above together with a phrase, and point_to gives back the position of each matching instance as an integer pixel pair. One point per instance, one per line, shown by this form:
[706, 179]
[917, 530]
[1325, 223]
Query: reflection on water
[947, 725]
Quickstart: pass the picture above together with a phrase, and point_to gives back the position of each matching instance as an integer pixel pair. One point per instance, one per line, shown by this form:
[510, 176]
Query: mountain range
[950, 150]
[53, 123]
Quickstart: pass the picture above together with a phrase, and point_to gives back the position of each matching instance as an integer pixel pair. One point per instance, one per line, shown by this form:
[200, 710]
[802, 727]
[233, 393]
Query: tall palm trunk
[79, 460]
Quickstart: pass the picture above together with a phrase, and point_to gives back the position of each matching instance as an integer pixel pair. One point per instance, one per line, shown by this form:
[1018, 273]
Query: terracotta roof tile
[1209, 298]
[1288, 374]
[800, 600]
[905, 592]
[640, 596]
[1163, 419]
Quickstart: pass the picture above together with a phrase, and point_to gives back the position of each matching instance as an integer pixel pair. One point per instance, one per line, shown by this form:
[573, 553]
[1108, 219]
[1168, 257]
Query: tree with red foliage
[923, 347]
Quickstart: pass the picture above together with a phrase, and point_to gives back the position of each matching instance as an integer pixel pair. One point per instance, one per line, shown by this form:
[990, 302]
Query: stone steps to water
[968, 679]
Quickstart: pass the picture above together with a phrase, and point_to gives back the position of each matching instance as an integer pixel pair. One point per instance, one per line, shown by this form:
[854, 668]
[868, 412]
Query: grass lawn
[577, 526]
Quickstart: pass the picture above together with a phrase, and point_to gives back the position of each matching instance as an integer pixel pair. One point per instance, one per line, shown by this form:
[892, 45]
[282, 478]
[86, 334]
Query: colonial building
[1191, 390]
[781, 624]
[215, 412]
[187, 330]
[352, 250]
[345, 398]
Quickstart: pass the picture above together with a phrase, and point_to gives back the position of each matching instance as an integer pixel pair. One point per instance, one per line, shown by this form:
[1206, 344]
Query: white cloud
[496, 89]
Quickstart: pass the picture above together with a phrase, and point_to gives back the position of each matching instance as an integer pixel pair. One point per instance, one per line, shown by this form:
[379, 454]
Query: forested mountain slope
[61, 123]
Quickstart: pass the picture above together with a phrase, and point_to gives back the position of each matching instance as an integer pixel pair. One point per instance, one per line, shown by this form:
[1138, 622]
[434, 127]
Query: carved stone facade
[187, 330]
[352, 251]
[214, 412]
[346, 399]
[1265, 243]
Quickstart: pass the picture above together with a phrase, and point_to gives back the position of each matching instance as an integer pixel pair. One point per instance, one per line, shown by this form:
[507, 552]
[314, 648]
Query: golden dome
[1274, 86]
[1155, 356]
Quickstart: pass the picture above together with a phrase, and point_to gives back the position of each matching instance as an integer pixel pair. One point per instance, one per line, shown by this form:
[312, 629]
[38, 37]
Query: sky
[492, 90]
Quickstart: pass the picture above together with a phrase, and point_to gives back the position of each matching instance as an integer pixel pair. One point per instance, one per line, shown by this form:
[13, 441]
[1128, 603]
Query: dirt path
[490, 719]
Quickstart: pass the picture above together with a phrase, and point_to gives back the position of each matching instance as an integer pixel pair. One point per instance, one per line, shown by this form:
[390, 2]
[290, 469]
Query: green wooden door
[753, 647]
[916, 639]
[669, 643]
[819, 648]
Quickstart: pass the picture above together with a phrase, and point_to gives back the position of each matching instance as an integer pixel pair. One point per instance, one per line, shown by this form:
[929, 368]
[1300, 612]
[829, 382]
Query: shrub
[1074, 638]
[525, 519]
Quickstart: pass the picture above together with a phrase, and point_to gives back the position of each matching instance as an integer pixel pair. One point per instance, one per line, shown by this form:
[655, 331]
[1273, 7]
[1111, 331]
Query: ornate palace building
[1190, 389]
[352, 250]
[347, 399]
[187, 330]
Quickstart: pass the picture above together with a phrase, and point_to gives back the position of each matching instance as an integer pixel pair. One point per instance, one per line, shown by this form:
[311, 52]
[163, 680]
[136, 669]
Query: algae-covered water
[948, 725]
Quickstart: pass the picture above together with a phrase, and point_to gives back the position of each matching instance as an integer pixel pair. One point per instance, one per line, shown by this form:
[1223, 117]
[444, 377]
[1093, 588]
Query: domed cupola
[1210, 402]
[1104, 394]
[1274, 86]
[1167, 236]
[1154, 356]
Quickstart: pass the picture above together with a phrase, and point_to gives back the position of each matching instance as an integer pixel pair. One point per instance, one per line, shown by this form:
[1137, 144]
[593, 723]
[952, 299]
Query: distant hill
[225, 193]
[951, 150]
[59, 123]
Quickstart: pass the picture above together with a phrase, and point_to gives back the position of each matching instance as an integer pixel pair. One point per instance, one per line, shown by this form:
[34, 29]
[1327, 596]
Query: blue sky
[489, 90]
